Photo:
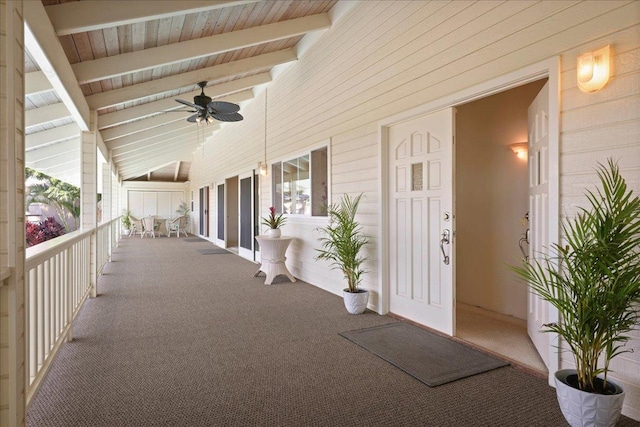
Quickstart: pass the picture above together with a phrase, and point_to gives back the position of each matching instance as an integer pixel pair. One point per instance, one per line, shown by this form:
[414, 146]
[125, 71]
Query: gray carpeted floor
[175, 339]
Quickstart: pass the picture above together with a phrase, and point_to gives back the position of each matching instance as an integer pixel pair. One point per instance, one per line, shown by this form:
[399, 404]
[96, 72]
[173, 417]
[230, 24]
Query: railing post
[69, 292]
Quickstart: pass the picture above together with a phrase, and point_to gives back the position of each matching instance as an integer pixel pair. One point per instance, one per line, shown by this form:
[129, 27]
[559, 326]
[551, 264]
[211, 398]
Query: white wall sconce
[520, 149]
[593, 69]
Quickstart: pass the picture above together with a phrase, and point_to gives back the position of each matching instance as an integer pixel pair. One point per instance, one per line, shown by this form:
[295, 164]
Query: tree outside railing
[63, 197]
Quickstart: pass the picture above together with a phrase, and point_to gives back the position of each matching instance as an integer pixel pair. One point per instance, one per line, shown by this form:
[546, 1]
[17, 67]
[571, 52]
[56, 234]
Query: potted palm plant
[342, 241]
[126, 221]
[594, 282]
[274, 222]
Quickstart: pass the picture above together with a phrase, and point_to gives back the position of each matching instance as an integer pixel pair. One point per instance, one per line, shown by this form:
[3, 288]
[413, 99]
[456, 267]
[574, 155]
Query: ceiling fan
[207, 111]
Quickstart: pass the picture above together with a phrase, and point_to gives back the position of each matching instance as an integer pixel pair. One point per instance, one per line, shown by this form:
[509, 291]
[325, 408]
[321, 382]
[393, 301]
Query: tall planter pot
[355, 302]
[583, 409]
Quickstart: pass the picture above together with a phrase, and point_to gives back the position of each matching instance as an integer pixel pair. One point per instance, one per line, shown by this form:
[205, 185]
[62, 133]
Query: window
[299, 186]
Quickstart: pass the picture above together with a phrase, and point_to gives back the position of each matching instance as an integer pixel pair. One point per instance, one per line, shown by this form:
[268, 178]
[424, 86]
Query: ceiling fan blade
[190, 104]
[233, 117]
[222, 107]
[194, 118]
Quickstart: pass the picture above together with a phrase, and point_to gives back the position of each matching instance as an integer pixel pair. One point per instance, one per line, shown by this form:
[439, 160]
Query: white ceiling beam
[52, 150]
[142, 166]
[47, 114]
[151, 147]
[185, 135]
[69, 173]
[175, 174]
[51, 136]
[35, 83]
[114, 97]
[157, 132]
[44, 47]
[141, 125]
[96, 15]
[62, 159]
[131, 62]
[125, 115]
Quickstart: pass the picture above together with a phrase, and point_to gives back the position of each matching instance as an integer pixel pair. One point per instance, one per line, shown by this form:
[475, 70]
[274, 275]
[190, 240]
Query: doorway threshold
[498, 333]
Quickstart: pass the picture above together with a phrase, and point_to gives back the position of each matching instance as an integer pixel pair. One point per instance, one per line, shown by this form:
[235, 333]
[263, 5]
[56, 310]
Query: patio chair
[148, 226]
[173, 226]
[177, 225]
[136, 225]
[183, 224]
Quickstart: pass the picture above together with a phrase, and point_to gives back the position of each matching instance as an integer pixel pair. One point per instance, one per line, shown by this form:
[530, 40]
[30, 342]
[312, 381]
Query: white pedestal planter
[355, 302]
[582, 409]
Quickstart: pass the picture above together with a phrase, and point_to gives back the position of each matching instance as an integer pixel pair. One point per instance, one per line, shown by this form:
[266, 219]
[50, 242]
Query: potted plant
[594, 282]
[341, 243]
[274, 222]
[126, 221]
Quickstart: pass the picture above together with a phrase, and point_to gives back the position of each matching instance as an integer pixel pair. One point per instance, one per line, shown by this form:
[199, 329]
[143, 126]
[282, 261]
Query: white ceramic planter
[582, 409]
[355, 303]
[273, 232]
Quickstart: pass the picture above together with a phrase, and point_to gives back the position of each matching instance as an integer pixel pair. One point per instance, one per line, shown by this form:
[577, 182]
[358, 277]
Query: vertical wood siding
[12, 241]
[384, 58]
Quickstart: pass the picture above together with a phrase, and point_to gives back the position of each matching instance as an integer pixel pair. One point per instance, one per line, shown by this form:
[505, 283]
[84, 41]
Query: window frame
[296, 217]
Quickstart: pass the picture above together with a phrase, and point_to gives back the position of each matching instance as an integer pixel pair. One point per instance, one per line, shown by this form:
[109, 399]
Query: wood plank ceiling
[131, 59]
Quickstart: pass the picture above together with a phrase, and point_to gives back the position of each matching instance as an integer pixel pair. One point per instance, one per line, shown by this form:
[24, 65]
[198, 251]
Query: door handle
[445, 239]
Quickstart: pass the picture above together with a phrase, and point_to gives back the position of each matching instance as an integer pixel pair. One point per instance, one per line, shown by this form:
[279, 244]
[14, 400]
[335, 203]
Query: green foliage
[594, 281]
[342, 240]
[126, 218]
[183, 209]
[274, 221]
[62, 196]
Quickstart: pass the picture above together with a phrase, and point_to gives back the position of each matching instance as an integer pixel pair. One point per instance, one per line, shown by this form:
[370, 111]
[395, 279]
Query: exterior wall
[389, 57]
[12, 242]
[152, 187]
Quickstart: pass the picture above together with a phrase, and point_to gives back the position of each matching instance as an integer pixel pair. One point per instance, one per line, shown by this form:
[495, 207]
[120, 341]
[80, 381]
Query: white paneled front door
[538, 126]
[421, 220]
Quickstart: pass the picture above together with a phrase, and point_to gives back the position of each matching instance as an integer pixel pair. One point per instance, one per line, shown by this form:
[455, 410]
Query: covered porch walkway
[184, 339]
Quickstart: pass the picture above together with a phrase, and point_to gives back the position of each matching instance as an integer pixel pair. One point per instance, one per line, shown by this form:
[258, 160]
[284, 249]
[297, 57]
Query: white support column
[106, 201]
[106, 191]
[89, 192]
[12, 240]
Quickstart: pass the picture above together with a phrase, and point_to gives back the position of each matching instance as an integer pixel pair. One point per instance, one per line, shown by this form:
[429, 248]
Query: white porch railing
[58, 281]
[108, 233]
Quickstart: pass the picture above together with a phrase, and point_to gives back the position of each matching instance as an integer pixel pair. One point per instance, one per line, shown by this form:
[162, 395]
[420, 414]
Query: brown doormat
[428, 357]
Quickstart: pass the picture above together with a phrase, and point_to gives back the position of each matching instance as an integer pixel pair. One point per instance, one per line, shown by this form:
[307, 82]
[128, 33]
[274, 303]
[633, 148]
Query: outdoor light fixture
[520, 149]
[593, 70]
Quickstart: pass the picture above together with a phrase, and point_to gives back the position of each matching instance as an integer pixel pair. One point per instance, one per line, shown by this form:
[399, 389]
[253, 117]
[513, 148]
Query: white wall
[388, 57]
[153, 198]
[491, 200]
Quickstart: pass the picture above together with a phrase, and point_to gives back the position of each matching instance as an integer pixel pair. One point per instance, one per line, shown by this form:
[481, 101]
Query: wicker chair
[136, 225]
[177, 225]
[148, 226]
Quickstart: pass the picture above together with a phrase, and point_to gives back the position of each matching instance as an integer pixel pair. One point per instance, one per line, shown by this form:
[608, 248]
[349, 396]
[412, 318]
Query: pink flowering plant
[273, 220]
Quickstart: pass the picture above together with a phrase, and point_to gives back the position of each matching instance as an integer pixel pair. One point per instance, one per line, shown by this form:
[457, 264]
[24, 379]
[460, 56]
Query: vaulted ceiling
[130, 60]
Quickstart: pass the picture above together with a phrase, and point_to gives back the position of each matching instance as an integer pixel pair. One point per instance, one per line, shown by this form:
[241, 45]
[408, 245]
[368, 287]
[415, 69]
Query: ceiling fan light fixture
[208, 111]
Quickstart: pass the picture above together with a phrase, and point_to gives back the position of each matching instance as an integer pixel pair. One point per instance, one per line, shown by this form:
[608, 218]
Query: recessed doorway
[492, 205]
